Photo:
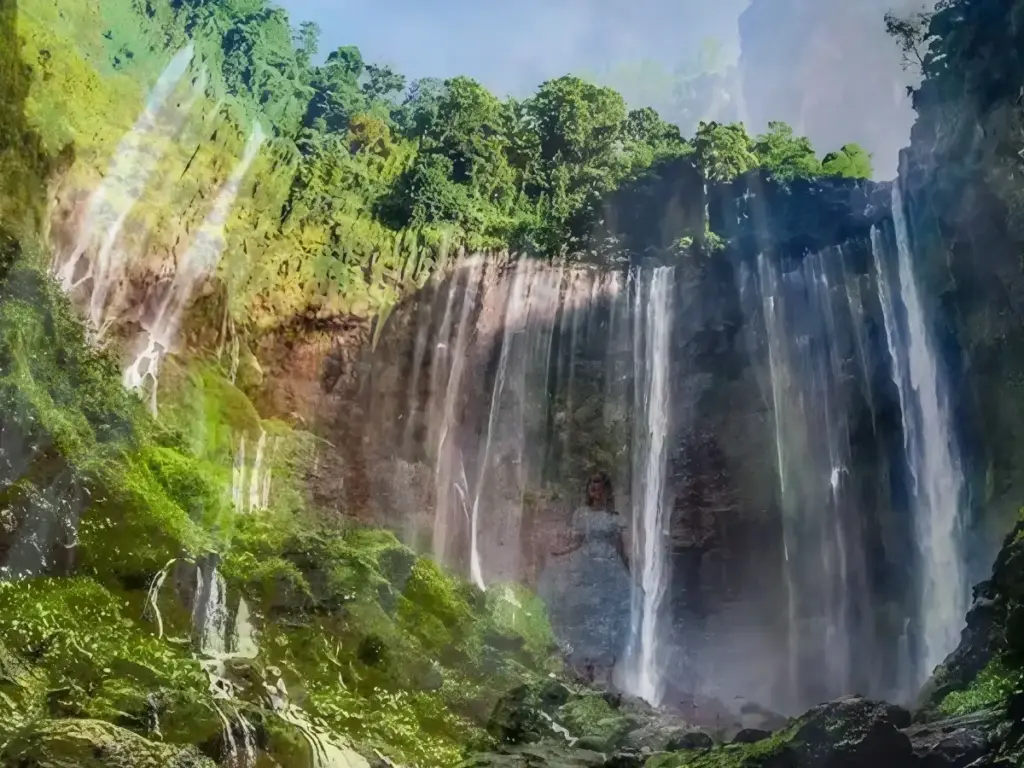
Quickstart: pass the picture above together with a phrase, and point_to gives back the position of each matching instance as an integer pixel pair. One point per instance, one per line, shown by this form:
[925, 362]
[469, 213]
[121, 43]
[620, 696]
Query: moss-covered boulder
[546, 755]
[851, 732]
[95, 744]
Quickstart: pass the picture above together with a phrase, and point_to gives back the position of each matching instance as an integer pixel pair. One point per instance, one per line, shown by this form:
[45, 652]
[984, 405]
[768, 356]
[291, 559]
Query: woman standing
[586, 585]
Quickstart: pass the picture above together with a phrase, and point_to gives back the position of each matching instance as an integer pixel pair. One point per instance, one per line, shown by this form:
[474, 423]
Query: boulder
[690, 740]
[751, 736]
[523, 715]
[546, 755]
[953, 743]
[852, 732]
[81, 743]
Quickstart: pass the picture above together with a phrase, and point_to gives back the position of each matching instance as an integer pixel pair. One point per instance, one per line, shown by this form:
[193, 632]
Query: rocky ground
[970, 715]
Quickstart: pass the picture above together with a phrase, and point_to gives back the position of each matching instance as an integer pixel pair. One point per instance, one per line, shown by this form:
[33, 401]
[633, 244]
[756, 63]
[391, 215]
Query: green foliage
[358, 165]
[911, 35]
[730, 755]
[989, 690]
[85, 743]
[724, 151]
[852, 162]
[786, 156]
[514, 610]
[97, 661]
[61, 394]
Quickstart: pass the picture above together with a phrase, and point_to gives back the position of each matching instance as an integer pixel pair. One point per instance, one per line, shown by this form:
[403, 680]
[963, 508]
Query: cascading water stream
[936, 474]
[506, 462]
[451, 489]
[650, 524]
[136, 158]
[196, 264]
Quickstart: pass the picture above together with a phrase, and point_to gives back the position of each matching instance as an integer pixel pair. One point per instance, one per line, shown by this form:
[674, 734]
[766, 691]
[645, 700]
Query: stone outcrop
[851, 732]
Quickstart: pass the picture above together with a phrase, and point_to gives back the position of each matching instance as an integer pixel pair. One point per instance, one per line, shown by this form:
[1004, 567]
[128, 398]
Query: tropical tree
[852, 161]
[382, 83]
[336, 91]
[649, 139]
[785, 155]
[724, 151]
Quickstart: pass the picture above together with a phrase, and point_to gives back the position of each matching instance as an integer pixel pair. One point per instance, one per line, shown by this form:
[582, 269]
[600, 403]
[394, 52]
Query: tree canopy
[851, 162]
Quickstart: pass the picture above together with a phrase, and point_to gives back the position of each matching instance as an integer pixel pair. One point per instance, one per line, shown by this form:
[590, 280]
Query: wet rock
[504, 641]
[953, 743]
[539, 756]
[691, 740]
[592, 743]
[626, 759]
[751, 736]
[853, 731]
[523, 715]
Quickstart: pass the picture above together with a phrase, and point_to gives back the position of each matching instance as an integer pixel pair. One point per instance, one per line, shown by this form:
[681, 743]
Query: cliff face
[962, 181]
[486, 401]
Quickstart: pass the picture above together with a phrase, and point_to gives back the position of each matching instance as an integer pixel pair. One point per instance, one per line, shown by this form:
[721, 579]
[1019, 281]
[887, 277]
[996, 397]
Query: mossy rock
[596, 721]
[546, 755]
[524, 715]
[95, 744]
[851, 731]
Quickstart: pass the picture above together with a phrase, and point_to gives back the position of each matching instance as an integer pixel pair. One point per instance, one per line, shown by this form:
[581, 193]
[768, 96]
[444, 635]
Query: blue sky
[515, 45]
[824, 66]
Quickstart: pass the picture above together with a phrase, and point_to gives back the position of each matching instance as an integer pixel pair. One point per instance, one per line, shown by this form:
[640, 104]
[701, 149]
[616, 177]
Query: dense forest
[364, 169]
[173, 606]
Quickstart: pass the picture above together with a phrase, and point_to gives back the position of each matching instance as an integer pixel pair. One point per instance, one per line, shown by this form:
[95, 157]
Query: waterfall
[250, 486]
[450, 486]
[653, 318]
[213, 629]
[135, 159]
[195, 265]
[504, 467]
[221, 637]
[324, 750]
[153, 595]
[238, 469]
[812, 334]
[490, 408]
[936, 474]
[257, 475]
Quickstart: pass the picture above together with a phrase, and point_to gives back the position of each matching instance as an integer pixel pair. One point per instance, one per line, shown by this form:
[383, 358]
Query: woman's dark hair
[607, 498]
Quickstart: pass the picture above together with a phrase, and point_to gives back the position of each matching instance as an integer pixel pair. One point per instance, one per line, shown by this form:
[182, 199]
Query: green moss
[591, 716]
[84, 743]
[96, 662]
[729, 755]
[516, 610]
[200, 490]
[135, 525]
[989, 690]
[209, 414]
[431, 607]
